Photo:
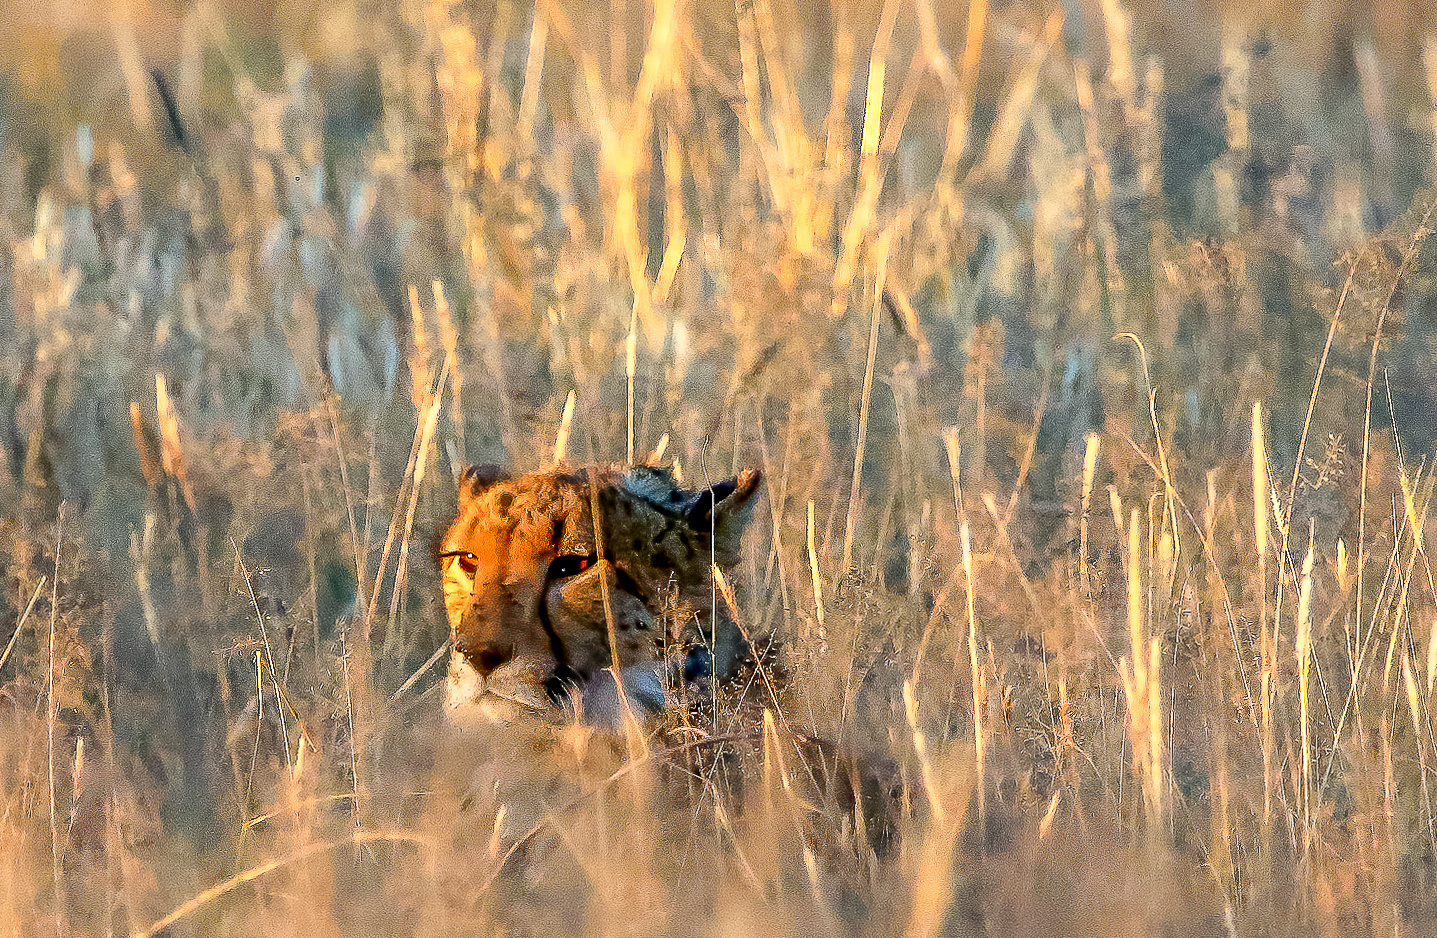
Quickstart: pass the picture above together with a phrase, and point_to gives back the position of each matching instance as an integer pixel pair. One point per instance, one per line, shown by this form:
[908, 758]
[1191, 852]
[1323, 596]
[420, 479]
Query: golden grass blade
[920, 748]
[1016, 104]
[1261, 489]
[880, 270]
[958, 87]
[420, 374]
[638, 746]
[954, 450]
[51, 715]
[449, 341]
[860, 220]
[533, 75]
[977, 675]
[1137, 630]
[1431, 657]
[822, 636]
[1120, 51]
[269, 866]
[147, 462]
[1302, 648]
[172, 457]
[566, 425]
[656, 455]
[1090, 465]
[416, 479]
[30, 606]
[631, 354]
[1261, 484]
[674, 217]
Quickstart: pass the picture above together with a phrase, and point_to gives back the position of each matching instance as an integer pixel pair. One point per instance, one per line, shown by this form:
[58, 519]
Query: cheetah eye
[466, 560]
[570, 565]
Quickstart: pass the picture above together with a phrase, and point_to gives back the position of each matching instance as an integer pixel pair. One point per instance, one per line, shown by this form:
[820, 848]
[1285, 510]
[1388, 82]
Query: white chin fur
[469, 703]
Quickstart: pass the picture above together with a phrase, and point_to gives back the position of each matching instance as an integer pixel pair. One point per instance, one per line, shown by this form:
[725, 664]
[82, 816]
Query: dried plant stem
[51, 709]
[360, 547]
[269, 656]
[1302, 648]
[638, 746]
[566, 425]
[631, 353]
[880, 269]
[1090, 463]
[423, 434]
[269, 866]
[533, 74]
[30, 606]
[1013, 115]
[959, 87]
[822, 635]
[1141, 677]
[1169, 492]
[1408, 257]
[401, 574]
[1417, 711]
[1120, 51]
[1101, 176]
[1286, 522]
[1261, 486]
[980, 689]
[860, 220]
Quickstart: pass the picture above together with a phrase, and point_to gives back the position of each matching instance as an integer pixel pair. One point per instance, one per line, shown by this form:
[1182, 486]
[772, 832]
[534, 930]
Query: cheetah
[545, 607]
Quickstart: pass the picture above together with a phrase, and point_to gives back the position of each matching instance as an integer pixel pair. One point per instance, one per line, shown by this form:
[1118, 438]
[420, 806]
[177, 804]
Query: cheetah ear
[725, 507]
[475, 479]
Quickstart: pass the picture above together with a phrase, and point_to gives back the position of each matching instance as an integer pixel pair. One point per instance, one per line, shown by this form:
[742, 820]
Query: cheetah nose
[490, 657]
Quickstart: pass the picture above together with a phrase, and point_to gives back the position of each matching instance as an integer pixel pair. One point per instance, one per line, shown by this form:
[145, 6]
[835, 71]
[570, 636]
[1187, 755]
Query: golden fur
[543, 605]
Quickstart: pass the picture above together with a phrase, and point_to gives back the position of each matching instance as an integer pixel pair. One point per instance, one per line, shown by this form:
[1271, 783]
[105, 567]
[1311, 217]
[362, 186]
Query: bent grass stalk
[1302, 648]
[980, 687]
[1261, 486]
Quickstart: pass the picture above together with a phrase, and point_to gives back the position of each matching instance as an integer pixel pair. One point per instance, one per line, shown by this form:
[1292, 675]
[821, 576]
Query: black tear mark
[561, 654]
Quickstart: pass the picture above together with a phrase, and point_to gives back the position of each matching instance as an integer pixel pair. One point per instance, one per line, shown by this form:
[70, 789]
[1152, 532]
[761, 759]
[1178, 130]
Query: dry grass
[1094, 399]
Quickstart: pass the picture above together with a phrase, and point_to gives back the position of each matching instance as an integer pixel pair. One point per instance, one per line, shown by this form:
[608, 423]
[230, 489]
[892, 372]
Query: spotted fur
[534, 591]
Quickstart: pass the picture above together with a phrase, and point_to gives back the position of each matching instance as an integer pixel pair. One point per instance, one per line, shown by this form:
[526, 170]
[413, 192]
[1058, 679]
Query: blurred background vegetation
[1089, 349]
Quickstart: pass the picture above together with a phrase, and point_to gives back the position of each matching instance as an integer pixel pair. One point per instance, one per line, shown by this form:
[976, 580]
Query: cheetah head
[535, 590]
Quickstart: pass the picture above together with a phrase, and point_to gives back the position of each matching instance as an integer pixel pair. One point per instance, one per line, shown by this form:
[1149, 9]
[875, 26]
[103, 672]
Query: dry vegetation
[1089, 353]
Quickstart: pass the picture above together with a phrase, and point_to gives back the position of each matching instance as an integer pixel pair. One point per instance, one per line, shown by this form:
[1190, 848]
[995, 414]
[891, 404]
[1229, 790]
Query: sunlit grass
[1093, 401]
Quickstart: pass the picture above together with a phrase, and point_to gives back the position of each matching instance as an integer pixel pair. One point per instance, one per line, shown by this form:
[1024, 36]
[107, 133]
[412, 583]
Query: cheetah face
[534, 592]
